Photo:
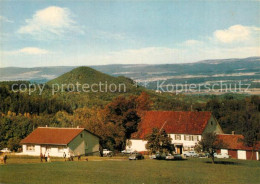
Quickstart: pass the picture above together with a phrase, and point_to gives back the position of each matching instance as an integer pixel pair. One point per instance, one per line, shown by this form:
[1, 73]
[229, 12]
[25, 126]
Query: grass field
[21, 169]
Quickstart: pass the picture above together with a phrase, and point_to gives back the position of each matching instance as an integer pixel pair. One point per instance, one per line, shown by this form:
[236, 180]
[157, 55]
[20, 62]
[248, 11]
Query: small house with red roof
[234, 146]
[57, 141]
[185, 128]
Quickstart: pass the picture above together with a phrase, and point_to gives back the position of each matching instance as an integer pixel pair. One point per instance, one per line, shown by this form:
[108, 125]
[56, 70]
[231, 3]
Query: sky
[69, 33]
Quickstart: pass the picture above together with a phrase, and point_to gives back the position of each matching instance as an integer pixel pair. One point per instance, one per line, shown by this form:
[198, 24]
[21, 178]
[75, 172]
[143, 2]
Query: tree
[251, 130]
[159, 141]
[210, 144]
[125, 113]
[13, 143]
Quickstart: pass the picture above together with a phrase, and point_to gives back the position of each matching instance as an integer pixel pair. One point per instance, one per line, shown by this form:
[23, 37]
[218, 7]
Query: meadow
[21, 169]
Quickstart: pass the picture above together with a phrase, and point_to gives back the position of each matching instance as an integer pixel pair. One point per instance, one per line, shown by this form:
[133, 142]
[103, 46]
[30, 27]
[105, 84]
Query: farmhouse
[56, 141]
[234, 147]
[185, 128]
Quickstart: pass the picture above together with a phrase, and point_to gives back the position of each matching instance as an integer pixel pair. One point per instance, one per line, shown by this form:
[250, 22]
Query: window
[195, 138]
[81, 135]
[177, 137]
[185, 148]
[211, 122]
[186, 137]
[30, 148]
[191, 138]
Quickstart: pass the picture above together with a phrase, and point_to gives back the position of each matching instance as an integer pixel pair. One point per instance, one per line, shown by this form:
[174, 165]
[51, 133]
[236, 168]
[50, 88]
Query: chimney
[233, 132]
[77, 126]
[46, 125]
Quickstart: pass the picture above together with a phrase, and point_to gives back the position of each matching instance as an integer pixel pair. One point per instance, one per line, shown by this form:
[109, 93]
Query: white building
[185, 128]
[56, 141]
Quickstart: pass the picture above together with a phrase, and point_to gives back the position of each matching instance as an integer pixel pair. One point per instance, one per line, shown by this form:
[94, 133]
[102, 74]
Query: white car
[5, 150]
[106, 152]
[221, 155]
[127, 151]
[169, 157]
[190, 154]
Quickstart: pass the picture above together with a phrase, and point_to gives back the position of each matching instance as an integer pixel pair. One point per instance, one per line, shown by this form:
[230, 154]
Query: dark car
[136, 156]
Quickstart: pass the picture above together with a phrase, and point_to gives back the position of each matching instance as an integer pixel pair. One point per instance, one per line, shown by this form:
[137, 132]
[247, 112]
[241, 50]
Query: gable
[213, 126]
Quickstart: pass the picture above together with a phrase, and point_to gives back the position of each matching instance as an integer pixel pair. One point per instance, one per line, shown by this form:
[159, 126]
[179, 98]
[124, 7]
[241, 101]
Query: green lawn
[119, 170]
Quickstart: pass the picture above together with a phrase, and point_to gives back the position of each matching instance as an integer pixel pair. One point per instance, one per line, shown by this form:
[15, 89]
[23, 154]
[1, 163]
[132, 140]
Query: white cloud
[33, 51]
[236, 33]
[28, 51]
[50, 22]
[4, 19]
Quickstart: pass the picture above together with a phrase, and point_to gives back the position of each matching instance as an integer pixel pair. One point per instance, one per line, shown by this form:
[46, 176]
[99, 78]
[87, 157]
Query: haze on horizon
[59, 33]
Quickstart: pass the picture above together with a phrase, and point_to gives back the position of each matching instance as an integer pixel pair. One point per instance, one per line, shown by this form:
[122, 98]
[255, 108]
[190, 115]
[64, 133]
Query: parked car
[203, 155]
[107, 152]
[160, 156]
[136, 156]
[221, 155]
[190, 154]
[152, 157]
[177, 157]
[5, 150]
[169, 157]
[127, 151]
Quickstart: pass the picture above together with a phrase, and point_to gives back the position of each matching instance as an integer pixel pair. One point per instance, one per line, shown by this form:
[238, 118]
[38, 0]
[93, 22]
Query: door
[224, 151]
[241, 154]
[179, 149]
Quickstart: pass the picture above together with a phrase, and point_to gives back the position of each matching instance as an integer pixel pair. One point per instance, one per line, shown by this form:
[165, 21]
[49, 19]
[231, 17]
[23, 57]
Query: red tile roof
[50, 135]
[234, 142]
[176, 122]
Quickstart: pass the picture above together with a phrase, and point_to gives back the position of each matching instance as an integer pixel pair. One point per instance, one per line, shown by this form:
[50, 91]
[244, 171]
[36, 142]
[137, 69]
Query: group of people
[70, 156]
[45, 157]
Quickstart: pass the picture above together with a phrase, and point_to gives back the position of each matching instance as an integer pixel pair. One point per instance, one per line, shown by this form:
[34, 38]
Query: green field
[120, 170]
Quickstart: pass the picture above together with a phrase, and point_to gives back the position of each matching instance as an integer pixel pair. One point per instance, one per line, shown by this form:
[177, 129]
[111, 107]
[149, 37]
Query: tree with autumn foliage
[159, 141]
[125, 113]
[94, 120]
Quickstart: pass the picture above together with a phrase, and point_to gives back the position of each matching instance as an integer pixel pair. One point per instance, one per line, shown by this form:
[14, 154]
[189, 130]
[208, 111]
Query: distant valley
[246, 70]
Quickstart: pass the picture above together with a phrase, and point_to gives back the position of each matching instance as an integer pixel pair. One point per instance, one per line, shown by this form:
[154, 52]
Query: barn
[56, 141]
[234, 147]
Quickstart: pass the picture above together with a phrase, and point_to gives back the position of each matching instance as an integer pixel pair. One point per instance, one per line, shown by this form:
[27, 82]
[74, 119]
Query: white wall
[38, 149]
[185, 143]
[241, 154]
[137, 145]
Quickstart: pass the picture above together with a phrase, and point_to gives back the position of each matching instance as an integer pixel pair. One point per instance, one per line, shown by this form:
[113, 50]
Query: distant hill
[87, 75]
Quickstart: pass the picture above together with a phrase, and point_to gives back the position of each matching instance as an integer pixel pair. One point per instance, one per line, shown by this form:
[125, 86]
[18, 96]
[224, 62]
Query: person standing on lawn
[64, 156]
[41, 156]
[49, 158]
